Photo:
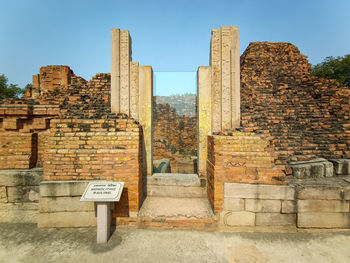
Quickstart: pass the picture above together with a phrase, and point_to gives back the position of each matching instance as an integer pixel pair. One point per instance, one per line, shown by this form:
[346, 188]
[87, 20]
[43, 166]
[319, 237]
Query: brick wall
[83, 149]
[242, 157]
[21, 128]
[303, 114]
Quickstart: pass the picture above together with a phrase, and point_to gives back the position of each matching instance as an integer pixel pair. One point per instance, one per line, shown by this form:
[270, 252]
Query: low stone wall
[19, 195]
[323, 206]
[258, 205]
[60, 205]
[312, 204]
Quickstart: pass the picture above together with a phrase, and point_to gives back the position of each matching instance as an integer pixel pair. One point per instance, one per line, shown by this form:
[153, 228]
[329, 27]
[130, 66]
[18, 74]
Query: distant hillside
[185, 105]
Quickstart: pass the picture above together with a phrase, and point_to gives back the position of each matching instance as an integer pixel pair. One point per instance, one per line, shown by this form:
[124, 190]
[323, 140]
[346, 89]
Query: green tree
[9, 90]
[334, 68]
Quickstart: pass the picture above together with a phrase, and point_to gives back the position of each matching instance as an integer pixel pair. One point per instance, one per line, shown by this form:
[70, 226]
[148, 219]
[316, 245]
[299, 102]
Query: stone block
[317, 170]
[301, 170]
[232, 204]
[19, 212]
[259, 191]
[3, 194]
[262, 206]
[341, 166]
[328, 169]
[64, 204]
[314, 168]
[63, 188]
[22, 193]
[320, 192]
[324, 220]
[275, 219]
[243, 218]
[66, 219]
[322, 206]
[289, 207]
[16, 177]
[15, 194]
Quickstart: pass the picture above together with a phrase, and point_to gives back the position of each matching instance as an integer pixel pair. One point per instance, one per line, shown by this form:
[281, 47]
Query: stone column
[204, 116]
[225, 81]
[120, 71]
[132, 90]
[145, 114]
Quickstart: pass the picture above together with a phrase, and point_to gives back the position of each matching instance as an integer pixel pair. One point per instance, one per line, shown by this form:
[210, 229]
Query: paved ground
[26, 243]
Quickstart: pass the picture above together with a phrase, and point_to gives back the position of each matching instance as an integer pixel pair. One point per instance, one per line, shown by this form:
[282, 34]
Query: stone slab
[259, 191]
[321, 192]
[66, 219]
[341, 166]
[176, 191]
[275, 219]
[263, 206]
[324, 220]
[243, 218]
[322, 206]
[176, 208]
[64, 204]
[63, 188]
[174, 179]
[233, 204]
[289, 207]
[16, 177]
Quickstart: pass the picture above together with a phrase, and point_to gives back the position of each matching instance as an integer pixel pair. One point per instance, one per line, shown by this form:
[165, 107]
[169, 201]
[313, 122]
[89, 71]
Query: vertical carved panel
[215, 62]
[134, 90]
[125, 72]
[235, 79]
[115, 70]
[226, 45]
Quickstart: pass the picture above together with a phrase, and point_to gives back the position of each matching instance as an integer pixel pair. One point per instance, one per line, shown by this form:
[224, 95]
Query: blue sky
[168, 35]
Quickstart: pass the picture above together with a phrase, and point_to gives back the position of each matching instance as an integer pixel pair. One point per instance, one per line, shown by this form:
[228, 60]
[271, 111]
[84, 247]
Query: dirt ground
[26, 243]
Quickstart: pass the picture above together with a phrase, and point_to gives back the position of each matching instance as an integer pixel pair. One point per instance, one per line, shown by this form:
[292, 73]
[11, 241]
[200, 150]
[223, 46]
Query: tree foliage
[334, 68]
[9, 90]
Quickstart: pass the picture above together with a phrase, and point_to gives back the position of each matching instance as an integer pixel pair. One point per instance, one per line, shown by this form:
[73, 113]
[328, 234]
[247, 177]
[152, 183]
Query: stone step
[170, 209]
[175, 185]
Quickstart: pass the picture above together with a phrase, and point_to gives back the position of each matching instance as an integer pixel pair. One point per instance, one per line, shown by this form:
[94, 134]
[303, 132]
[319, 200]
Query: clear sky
[168, 35]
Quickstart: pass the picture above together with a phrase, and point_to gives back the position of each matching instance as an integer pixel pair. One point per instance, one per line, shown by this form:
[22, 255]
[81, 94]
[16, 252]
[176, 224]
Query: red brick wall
[241, 157]
[82, 149]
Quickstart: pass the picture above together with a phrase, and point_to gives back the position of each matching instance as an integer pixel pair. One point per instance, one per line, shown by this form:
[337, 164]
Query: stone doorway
[175, 140]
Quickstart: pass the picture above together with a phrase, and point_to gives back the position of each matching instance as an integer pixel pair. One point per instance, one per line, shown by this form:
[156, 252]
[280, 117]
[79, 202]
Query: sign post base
[103, 221]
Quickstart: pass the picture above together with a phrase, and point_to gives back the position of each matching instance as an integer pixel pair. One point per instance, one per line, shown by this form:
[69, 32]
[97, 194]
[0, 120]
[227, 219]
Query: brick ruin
[303, 114]
[101, 129]
[175, 138]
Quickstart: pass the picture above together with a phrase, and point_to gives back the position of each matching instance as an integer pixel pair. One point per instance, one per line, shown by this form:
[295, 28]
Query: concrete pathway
[26, 243]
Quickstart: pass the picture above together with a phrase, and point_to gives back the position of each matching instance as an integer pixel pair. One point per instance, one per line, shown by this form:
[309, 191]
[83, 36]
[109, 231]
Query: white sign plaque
[103, 191]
